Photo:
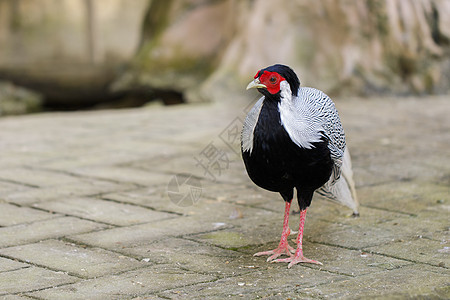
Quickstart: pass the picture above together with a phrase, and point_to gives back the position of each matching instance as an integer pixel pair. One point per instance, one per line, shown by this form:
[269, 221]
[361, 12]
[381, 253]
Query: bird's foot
[283, 249]
[293, 260]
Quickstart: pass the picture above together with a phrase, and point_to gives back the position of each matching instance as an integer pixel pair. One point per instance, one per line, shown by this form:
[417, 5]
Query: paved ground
[90, 207]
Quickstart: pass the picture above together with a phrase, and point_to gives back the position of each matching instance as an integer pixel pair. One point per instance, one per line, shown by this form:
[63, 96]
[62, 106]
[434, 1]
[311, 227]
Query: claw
[295, 256]
[283, 247]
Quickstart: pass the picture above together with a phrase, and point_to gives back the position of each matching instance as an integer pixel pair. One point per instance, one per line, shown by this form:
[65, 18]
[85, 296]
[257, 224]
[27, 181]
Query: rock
[15, 100]
[181, 46]
[342, 47]
[68, 50]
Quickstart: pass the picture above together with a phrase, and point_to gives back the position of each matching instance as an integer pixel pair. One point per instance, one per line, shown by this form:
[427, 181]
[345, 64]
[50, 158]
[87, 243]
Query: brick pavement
[85, 211]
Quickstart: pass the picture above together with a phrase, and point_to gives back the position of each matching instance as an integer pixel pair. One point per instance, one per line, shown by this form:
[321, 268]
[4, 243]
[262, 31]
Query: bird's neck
[272, 98]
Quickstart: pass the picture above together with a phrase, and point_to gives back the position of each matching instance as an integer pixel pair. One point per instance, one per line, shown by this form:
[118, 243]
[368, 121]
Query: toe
[303, 260]
[263, 253]
[282, 260]
[277, 254]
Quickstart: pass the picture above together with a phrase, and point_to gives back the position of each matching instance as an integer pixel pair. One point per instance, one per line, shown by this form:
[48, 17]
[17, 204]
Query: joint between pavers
[340, 246]
[365, 249]
[321, 284]
[12, 203]
[99, 194]
[253, 206]
[389, 210]
[102, 222]
[41, 266]
[374, 184]
[305, 295]
[157, 295]
[426, 237]
[186, 237]
[58, 216]
[203, 178]
[42, 289]
[77, 217]
[79, 176]
[321, 269]
[141, 206]
[192, 284]
[12, 270]
[405, 259]
[207, 231]
[19, 183]
[88, 246]
[210, 245]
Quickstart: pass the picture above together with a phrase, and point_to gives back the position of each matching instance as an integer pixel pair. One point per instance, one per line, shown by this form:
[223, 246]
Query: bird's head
[268, 81]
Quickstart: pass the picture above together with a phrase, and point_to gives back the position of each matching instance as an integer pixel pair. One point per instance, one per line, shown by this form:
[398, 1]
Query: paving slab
[126, 285]
[124, 174]
[104, 211]
[229, 170]
[8, 187]
[7, 264]
[124, 237]
[408, 197]
[417, 250]
[37, 178]
[39, 230]
[82, 187]
[352, 237]
[256, 284]
[194, 256]
[72, 259]
[13, 215]
[435, 223]
[15, 297]
[206, 209]
[30, 279]
[404, 282]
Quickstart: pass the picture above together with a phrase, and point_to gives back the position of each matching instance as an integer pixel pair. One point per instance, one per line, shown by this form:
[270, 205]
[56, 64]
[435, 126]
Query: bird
[293, 139]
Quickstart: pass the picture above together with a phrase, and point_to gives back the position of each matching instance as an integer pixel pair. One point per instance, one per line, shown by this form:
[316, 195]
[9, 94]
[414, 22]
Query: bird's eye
[273, 79]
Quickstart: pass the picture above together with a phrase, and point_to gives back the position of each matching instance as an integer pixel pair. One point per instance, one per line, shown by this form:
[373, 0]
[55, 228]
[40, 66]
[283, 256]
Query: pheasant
[293, 138]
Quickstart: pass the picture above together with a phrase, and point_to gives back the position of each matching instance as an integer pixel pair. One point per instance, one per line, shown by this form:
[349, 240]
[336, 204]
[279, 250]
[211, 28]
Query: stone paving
[154, 203]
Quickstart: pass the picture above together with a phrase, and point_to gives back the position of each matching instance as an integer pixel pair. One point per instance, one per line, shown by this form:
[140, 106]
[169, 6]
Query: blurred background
[90, 54]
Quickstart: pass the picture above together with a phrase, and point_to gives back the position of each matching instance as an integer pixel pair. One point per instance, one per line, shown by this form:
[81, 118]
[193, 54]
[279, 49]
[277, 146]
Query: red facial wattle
[271, 80]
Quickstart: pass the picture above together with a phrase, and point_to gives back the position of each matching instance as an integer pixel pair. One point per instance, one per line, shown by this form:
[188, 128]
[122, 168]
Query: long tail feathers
[343, 190]
[347, 173]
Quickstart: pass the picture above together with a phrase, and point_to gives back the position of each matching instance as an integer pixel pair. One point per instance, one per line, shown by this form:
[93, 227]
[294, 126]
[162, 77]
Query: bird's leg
[298, 256]
[283, 246]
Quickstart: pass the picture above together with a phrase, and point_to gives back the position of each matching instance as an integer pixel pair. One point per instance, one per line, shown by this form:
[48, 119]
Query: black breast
[277, 164]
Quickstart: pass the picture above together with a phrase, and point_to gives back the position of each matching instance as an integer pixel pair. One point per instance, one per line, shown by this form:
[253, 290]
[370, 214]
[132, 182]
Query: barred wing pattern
[331, 123]
[309, 117]
[319, 114]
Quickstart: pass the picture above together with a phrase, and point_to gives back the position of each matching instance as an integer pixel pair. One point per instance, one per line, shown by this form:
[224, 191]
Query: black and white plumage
[293, 139]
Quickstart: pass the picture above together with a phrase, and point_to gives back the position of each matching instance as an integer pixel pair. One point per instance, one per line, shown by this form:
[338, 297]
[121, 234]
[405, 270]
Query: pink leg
[298, 256]
[283, 246]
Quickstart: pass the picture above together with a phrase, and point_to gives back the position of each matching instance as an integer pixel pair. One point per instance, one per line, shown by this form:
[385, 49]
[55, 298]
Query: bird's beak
[255, 84]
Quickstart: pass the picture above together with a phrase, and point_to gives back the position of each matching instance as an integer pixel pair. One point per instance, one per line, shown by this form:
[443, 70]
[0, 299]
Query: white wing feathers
[249, 126]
